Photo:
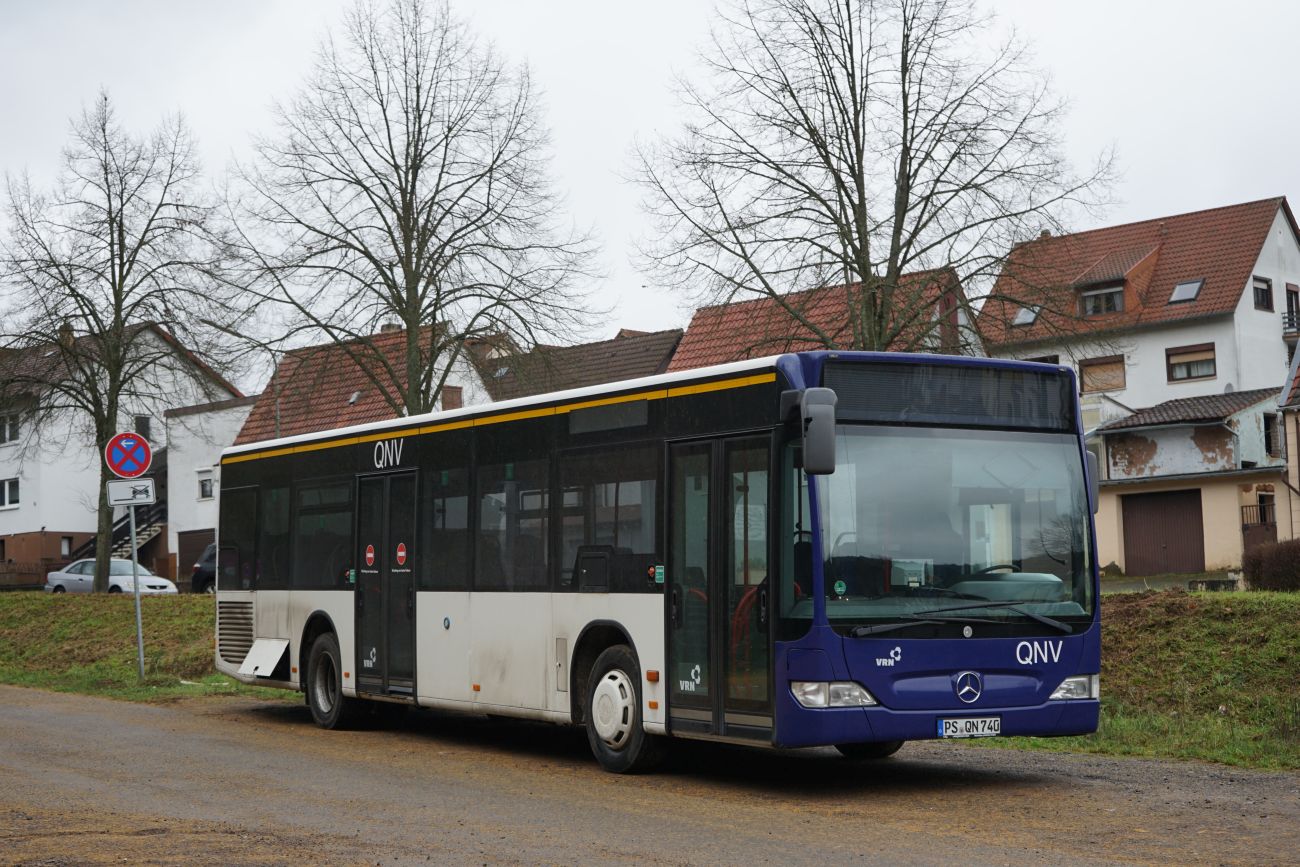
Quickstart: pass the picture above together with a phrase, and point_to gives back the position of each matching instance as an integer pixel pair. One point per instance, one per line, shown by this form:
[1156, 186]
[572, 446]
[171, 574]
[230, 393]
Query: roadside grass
[1210, 676]
[86, 644]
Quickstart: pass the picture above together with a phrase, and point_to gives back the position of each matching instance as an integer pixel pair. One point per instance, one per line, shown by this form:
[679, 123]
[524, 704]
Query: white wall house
[1157, 318]
[49, 473]
[195, 437]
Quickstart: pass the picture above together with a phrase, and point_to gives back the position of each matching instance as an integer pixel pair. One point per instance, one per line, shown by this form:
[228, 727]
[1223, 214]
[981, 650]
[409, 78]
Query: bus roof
[482, 409]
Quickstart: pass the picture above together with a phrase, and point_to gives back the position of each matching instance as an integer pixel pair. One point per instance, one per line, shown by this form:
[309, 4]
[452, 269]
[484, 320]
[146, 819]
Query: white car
[79, 577]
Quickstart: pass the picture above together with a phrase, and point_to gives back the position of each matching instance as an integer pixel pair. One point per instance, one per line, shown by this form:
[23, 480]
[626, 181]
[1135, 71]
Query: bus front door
[385, 591]
[719, 647]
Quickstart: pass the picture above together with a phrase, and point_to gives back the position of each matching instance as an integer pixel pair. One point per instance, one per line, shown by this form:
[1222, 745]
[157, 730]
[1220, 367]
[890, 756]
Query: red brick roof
[759, 327]
[629, 355]
[1208, 408]
[1219, 246]
[324, 387]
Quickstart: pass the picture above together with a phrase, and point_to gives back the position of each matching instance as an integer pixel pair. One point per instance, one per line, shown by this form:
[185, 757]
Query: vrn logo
[388, 453]
[1035, 652]
[895, 655]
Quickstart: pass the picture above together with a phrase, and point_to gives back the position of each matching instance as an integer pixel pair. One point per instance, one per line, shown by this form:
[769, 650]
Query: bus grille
[234, 630]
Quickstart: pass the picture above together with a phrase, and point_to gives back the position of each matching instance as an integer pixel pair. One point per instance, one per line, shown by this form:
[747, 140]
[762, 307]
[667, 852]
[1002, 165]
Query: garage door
[1163, 533]
[191, 544]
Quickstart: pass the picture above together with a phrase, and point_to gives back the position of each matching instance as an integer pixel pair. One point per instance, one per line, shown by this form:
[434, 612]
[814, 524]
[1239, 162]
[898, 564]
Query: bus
[840, 549]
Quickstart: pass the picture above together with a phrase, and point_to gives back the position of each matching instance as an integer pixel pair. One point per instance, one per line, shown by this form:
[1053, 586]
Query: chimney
[65, 334]
[390, 327]
[1046, 233]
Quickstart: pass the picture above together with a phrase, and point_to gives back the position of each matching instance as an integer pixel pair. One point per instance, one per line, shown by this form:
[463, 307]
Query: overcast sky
[1198, 98]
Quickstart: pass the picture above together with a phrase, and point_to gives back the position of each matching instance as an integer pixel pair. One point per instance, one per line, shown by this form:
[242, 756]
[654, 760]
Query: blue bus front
[941, 582]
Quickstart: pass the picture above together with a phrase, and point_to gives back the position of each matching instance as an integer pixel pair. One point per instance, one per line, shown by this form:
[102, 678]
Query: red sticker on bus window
[401, 553]
[370, 555]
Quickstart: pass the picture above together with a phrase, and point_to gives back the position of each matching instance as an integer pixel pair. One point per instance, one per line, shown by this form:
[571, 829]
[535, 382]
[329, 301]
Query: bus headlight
[1082, 686]
[813, 693]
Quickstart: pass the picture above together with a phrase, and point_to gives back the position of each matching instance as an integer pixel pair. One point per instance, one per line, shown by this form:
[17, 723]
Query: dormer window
[1025, 315]
[1099, 302]
[1186, 291]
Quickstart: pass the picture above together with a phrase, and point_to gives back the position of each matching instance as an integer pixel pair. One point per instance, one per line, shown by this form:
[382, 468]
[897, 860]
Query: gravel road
[233, 780]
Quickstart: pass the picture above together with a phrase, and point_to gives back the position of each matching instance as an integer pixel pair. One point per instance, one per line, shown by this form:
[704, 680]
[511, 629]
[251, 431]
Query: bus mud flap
[264, 656]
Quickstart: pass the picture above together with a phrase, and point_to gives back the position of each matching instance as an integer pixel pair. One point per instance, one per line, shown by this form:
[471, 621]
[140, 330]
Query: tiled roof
[629, 355]
[42, 362]
[1219, 246]
[324, 387]
[761, 326]
[1190, 410]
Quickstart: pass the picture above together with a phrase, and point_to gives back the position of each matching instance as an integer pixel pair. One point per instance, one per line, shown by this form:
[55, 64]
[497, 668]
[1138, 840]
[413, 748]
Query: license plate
[971, 727]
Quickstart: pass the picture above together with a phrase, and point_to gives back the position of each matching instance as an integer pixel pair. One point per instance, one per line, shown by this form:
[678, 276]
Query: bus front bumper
[798, 726]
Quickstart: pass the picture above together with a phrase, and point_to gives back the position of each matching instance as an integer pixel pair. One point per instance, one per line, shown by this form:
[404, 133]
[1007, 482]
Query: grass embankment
[1211, 676]
[86, 644]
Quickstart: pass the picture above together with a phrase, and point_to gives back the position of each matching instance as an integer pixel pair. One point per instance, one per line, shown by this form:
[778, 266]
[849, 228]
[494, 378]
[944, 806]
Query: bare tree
[840, 146]
[102, 276]
[407, 184]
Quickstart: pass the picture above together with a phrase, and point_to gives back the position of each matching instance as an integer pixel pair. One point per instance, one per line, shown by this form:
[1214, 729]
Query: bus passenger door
[385, 592]
[718, 635]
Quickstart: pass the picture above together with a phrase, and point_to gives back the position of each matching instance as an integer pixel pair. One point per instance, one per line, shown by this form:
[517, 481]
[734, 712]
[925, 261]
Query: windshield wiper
[1013, 605]
[914, 620]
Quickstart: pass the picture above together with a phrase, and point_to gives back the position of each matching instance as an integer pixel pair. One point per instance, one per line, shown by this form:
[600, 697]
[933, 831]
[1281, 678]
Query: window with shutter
[1102, 374]
[1190, 362]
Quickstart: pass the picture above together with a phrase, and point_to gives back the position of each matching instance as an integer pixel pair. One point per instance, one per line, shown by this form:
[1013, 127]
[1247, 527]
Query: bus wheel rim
[613, 709]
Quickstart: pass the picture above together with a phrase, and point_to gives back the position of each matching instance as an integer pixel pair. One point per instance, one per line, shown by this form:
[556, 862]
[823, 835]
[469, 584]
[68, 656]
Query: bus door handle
[675, 600]
[762, 608]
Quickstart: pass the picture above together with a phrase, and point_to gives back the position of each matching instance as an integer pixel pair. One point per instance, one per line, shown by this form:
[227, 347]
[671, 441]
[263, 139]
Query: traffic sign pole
[129, 455]
[135, 580]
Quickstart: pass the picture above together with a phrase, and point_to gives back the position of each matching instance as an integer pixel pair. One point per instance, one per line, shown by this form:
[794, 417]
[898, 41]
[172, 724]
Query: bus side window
[322, 547]
[512, 502]
[236, 556]
[444, 520]
[610, 499]
[273, 543]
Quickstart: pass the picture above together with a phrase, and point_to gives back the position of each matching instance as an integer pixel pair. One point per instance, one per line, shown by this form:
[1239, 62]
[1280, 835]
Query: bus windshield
[916, 520]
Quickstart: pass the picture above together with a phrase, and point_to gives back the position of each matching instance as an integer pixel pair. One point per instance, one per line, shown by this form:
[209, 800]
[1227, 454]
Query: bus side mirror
[817, 410]
[1094, 481]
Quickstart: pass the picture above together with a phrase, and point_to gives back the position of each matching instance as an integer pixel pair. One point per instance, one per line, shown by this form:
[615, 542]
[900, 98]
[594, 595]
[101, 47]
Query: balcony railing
[1264, 513]
[1291, 322]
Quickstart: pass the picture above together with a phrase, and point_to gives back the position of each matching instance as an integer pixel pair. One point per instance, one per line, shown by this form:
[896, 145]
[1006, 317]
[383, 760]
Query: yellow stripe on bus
[658, 394]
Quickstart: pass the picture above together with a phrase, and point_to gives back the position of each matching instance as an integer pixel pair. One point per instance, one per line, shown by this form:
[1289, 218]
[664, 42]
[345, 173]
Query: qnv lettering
[388, 453]
[1038, 652]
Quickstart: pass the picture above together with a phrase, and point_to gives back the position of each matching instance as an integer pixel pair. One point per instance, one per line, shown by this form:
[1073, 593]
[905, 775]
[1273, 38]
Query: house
[757, 327]
[1192, 483]
[1176, 307]
[196, 436]
[628, 355]
[50, 472]
[1181, 329]
[329, 386]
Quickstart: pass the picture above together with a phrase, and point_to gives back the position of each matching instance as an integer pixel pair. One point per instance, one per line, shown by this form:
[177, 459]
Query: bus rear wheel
[613, 714]
[869, 752]
[330, 708]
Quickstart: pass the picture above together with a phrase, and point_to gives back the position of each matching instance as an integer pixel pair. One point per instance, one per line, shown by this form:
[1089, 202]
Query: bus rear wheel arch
[612, 714]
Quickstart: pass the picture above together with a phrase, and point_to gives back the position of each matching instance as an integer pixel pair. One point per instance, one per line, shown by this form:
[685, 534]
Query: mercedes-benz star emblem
[968, 686]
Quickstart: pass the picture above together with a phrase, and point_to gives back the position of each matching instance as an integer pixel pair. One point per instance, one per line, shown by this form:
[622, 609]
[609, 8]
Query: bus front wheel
[329, 707]
[868, 752]
[613, 714]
